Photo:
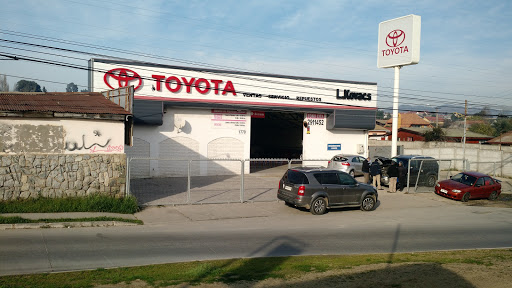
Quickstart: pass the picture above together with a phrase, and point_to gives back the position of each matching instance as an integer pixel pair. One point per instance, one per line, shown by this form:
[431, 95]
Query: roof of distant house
[410, 119]
[505, 138]
[449, 132]
[61, 102]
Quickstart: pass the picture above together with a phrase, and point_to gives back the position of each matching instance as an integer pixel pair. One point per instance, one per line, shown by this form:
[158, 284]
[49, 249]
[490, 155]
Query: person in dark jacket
[393, 176]
[366, 170]
[375, 172]
[402, 176]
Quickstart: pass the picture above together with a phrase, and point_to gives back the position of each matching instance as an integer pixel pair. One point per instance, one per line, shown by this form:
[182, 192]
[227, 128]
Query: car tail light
[301, 191]
[279, 185]
[345, 164]
[329, 162]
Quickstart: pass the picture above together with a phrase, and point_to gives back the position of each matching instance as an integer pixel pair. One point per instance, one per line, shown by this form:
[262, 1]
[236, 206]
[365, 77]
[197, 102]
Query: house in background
[452, 135]
[504, 139]
[406, 120]
[379, 133]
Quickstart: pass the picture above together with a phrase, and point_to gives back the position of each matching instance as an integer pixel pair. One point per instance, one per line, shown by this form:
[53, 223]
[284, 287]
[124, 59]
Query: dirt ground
[408, 275]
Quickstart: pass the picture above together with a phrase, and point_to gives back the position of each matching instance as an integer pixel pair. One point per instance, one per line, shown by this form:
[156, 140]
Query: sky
[466, 46]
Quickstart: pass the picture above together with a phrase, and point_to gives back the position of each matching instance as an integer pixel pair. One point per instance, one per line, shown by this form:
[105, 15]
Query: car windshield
[464, 179]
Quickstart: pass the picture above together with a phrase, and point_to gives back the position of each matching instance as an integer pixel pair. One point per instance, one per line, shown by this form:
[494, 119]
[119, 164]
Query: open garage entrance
[277, 135]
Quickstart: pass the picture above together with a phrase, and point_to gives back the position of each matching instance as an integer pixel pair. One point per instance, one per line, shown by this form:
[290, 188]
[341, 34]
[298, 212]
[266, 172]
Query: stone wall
[25, 176]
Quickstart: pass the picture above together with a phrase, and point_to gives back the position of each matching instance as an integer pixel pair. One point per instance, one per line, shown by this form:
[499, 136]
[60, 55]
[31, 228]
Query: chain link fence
[156, 181]
[205, 181]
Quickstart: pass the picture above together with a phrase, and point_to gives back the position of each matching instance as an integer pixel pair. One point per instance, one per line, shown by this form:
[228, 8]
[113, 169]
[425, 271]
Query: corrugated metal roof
[62, 102]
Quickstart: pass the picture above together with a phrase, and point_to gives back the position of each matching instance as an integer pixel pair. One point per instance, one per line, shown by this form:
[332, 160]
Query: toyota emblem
[123, 77]
[395, 38]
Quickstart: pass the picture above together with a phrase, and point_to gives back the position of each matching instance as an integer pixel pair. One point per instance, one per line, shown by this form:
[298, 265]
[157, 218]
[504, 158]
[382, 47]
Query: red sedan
[469, 185]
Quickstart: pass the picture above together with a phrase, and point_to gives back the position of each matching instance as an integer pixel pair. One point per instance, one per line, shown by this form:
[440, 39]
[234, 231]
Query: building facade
[185, 113]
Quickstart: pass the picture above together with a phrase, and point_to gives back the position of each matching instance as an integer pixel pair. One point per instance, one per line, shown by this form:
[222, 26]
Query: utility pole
[437, 118]
[464, 140]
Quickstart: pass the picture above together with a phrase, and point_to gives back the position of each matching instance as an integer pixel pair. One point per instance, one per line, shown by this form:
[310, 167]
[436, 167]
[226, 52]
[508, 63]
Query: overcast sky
[466, 46]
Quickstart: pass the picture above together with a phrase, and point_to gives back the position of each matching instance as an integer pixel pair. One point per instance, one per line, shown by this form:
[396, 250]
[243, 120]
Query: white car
[351, 164]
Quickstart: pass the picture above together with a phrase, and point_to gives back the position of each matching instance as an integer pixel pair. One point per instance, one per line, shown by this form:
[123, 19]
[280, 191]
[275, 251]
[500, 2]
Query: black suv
[429, 169]
[317, 189]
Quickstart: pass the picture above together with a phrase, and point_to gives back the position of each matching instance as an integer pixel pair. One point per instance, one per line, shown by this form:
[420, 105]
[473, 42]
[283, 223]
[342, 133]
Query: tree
[4, 86]
[482, 128]
[72, 87]
[84, 90]
[44, 89]
[502, 125]
[380, 114]
[27, 86]
[447, 123]
[436, 134]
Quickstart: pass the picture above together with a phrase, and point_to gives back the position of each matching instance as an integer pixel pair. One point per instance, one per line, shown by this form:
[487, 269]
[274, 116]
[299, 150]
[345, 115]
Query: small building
[452, 135]
[406, 120]
[503, 139]
[62, 145]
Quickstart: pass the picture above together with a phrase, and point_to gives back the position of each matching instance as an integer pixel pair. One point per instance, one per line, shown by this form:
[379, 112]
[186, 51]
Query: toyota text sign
[399, 42]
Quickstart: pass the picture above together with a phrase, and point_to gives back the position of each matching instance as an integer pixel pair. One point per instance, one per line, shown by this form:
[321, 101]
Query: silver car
[351, 164]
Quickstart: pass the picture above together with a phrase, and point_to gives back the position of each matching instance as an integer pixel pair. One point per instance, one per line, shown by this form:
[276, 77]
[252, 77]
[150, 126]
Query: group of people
[396, 172]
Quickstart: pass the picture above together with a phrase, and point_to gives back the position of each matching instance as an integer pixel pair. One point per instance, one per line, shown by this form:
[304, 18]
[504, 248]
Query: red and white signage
[399, 42]
[191, 85]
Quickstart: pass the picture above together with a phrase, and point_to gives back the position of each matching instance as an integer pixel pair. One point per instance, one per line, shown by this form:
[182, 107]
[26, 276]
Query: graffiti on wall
[93, 146]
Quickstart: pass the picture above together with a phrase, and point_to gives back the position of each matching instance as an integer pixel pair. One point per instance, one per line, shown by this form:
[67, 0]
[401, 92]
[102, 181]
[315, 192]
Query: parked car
[469, 185]
[351, 164]
[429, 169]
[384, 163]
[318, 189]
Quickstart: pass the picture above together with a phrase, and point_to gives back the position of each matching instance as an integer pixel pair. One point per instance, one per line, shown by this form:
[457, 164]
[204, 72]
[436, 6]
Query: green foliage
[380, 114]
[248, 269]
[17, 219]
[27, 86]
[502, 125]
[93, 203]
[71, 87]
[482, 128]
[436, 134]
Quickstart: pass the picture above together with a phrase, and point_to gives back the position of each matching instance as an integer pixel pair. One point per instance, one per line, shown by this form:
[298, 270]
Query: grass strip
[251, 269]
[17, 219]
[92, 203]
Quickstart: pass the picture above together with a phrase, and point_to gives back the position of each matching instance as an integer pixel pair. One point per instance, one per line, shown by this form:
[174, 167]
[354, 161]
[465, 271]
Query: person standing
[402, 176]
[375, 172]
[366, 170]
[393, 176]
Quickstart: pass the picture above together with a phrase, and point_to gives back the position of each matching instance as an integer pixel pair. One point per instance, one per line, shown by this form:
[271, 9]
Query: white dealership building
[188, 113]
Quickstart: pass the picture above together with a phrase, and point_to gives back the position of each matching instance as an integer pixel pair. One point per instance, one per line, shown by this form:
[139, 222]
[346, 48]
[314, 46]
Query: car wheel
[431, 181]
[352, 173]
[368, 203]
[319, 206]
[466, 197]
[493, 196]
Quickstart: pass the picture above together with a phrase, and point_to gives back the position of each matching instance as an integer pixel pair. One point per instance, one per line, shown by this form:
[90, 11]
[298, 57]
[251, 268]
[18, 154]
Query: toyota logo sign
[123, 77]
[395, 38]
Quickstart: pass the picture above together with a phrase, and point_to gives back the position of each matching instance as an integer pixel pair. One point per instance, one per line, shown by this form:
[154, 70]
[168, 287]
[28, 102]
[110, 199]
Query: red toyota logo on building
[395, 38]
[123, 76]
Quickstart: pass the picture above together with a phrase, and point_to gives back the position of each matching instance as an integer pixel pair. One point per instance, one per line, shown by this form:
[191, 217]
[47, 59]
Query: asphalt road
[401, 223]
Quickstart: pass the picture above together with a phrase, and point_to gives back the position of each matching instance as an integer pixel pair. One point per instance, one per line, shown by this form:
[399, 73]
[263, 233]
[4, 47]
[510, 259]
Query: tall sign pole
[399, 45]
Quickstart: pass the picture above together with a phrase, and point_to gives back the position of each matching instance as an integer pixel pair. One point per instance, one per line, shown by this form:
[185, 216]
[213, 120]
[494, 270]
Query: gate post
[242, 165]
[188, 181]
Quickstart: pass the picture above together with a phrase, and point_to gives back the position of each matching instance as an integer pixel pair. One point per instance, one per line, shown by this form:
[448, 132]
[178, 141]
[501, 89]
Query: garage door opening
[277, 135]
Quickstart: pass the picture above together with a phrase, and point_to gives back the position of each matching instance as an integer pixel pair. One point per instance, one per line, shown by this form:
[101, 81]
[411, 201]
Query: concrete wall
[483, 158]
[61, 175]
[59, 135]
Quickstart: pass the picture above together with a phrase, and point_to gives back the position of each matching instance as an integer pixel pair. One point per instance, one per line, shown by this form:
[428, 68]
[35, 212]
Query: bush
[93, 203]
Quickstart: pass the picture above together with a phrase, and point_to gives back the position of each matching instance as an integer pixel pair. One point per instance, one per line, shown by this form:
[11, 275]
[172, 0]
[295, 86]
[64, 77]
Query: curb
[65, 225]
